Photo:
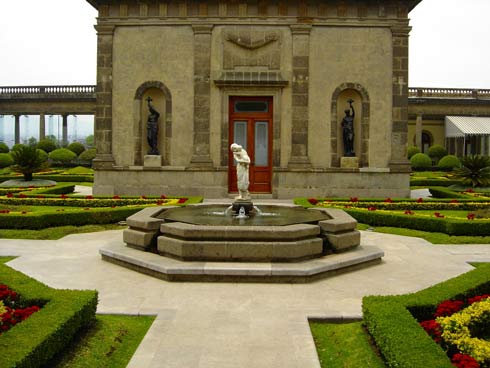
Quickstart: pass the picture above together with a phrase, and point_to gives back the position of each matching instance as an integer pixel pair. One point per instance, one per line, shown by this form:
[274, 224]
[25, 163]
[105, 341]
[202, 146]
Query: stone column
[103, 113]
[399, 132]
[42, 126]
[418, 132]
[64, 130]
[17, 129]
[202, 90]
[299, 132]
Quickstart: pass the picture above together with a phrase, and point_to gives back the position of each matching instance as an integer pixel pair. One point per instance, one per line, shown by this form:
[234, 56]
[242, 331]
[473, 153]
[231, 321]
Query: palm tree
[474, 171]
[27, 161]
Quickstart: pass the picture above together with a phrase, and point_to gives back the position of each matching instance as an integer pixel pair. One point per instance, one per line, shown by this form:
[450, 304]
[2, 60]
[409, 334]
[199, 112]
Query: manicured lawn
[54, 233]
[344, 345]
[110, 343]
[429, 174]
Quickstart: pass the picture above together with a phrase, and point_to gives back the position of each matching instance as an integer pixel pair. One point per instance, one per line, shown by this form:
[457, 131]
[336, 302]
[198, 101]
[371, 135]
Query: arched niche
[361, 106]
[162, 102]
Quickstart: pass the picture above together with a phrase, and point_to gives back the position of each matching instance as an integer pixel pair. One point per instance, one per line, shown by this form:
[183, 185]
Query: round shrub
[4, 148]
[47, 145]
[412, 151]
[62, 155]
[43, 154]
[6, 160]
[436, 152]
[449, 162]
[16, 146]
[76, 147]
[420, 161]
[88, 155]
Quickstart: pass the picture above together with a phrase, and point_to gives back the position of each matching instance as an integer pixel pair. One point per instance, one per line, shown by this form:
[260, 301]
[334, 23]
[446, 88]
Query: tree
[27, 160]
[474, 171]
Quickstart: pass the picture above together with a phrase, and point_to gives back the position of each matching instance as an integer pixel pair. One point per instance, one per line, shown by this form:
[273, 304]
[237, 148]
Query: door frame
[251, 117]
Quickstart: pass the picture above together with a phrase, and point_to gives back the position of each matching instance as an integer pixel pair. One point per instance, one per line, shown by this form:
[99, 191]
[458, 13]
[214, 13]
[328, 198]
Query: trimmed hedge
[393, 321]
[36, 220]
[414, 182]
[444, 192]
[6, 160]
[420, 161]
[35, 341]
[57, 178]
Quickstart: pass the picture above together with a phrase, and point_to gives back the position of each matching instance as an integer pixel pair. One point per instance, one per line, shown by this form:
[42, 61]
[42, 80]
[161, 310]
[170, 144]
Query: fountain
[241, 241]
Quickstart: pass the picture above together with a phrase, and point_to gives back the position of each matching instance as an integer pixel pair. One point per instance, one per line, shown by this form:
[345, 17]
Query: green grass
[434, 238]
[54, 233]
[429, 174]
[344, 345]
[110, 343]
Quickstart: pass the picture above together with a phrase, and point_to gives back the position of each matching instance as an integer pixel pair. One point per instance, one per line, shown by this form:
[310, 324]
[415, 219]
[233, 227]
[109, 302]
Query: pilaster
[64, 130]
[42, 126]
[202, 91]
[300, 86]
[17, 129]
[418, 132]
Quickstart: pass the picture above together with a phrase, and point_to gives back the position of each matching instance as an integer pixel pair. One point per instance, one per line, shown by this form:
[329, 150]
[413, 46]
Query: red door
[251, 127]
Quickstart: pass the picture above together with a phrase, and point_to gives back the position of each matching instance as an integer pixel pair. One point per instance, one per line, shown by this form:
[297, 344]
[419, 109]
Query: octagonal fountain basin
[274, 244]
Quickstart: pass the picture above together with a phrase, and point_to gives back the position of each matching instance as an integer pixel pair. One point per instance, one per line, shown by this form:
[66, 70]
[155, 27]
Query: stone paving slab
[202, 325]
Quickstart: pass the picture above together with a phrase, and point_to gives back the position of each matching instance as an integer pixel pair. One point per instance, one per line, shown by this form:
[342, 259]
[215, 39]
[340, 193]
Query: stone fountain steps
[270, 272]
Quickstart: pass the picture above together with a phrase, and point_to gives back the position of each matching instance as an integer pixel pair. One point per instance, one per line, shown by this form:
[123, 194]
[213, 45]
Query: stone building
[272, 75]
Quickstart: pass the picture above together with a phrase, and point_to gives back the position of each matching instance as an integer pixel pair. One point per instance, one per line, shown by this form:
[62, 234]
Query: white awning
[461, 126]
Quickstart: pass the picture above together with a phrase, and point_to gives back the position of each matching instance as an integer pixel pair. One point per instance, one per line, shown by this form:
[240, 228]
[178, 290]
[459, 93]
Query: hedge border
[39, 338]
[55, 177]
[393, 321]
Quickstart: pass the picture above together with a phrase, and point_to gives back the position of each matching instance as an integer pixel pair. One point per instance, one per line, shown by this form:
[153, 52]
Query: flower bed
[11, 313]
[457, 325]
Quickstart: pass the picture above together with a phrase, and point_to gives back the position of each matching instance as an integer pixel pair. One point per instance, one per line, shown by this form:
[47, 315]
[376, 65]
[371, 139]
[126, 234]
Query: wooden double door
[250, 125]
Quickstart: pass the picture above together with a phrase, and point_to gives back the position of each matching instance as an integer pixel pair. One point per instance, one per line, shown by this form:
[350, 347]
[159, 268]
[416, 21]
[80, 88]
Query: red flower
[438, 215]
[448, 307]
[371, 208]
[9, 195]
[432, 328]
[116, 197]
[4, 211]
[89, 197]
[40, 197]
[464, 361]
[470, 216]
[163, 196]
[143, 197]
[22, 195]
[113, 206]
[30, 186]
[469, 191]
[63, 196]
[182, 200]
[159, 203]
[408, 212]
[454, 201]
[347, 206]
[478, 298]
[354, 199]
[313, 201]
[389, 200]
[420, 200]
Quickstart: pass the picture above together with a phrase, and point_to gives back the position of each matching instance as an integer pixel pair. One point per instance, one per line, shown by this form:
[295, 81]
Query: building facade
[274, 76]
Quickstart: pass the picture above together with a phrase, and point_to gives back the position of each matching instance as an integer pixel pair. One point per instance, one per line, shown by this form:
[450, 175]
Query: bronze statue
[348, 130]
[152, 129]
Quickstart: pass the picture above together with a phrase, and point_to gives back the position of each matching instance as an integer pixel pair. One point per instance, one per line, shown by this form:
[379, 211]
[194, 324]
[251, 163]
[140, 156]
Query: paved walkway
[201, 325]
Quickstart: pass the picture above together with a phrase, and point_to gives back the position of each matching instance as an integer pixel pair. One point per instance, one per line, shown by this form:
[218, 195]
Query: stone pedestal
[152, 161]
[245, 203]
[349, 162]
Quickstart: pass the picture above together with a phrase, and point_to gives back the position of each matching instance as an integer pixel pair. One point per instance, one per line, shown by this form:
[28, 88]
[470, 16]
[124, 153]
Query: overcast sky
[46, 42]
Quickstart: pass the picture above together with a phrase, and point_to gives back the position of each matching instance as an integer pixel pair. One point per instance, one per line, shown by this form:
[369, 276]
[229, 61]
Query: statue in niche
[152, 128]
[243, 162]
[348, 130]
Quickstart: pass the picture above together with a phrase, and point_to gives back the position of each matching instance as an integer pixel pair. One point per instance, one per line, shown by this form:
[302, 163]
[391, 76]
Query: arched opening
[427, 141]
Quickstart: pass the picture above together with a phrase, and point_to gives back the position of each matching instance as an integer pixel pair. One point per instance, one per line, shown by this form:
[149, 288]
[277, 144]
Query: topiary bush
[62, 156]
[6, 160]
[47, 145]
[436, 152]
[88, 155]
[449, 163]
[412, 151]
[43, 154]
[4, 148]
[76, 147]
[16, 146]
[420, 161]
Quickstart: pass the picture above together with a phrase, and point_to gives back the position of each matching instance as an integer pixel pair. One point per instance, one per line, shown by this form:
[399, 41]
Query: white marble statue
[243, 162]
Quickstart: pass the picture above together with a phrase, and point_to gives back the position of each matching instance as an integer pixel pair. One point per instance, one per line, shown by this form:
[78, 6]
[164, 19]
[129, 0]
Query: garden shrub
[27, 160]
[16, 146]
[4, 148]
[88, 155]
[474, 171]
[48, 145]
[427, 182]
[393, 321]
[412, 150]
[449, 162]
[62, 155]
[436, 152]
[444, 192]
[76, 147]
[420, 161]
[43, 154]
[35, 341]
[6, 160]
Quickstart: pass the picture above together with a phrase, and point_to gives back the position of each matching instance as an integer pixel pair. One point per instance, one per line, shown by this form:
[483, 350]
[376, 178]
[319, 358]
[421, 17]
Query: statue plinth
[349, 162]
[152, 161]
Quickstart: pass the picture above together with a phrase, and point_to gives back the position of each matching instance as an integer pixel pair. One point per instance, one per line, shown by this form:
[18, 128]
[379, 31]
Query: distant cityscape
[79, 127]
